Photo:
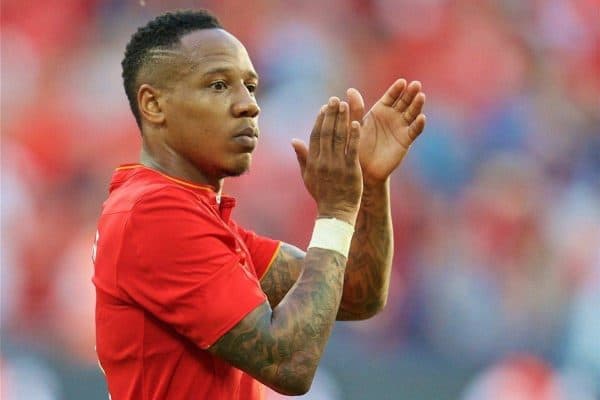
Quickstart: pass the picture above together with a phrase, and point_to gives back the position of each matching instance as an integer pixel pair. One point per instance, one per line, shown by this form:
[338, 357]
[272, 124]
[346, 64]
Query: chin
[237, 172]
[238, 169]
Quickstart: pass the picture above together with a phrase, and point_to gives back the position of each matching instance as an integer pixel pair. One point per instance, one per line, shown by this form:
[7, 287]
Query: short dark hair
[164, 31]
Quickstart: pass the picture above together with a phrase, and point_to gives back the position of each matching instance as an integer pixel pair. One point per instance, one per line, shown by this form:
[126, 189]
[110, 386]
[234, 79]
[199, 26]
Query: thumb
[301, 153]
[357, 105]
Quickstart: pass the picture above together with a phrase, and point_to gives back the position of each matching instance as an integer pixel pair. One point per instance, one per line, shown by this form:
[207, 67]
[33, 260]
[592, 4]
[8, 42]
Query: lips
[248, 131]
[247, 138]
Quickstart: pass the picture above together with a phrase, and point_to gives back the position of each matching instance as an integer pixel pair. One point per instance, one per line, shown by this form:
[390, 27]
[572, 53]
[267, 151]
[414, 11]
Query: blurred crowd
[496, 209]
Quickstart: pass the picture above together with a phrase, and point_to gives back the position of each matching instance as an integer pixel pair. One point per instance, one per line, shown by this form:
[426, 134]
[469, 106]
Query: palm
[389, 128]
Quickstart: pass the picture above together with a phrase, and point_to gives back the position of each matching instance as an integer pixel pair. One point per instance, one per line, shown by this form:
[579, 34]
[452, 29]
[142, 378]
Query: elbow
[302, 390]
[374, 308]
[298, 389]
[294, 387]
[293, 380]
[361, 312]
[379, 305]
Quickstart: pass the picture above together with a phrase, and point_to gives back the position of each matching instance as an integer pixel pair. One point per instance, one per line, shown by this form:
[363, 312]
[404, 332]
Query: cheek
[203, 116]
[198, 124]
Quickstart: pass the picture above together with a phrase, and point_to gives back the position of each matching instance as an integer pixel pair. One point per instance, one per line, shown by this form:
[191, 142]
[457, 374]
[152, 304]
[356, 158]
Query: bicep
[283, 273]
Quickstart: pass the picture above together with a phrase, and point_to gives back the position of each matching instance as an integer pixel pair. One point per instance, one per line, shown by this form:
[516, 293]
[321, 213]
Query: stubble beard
[237, 170]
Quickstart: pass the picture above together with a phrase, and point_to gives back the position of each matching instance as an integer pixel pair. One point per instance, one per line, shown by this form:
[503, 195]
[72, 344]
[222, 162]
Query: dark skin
[202, 126]
[387, 132]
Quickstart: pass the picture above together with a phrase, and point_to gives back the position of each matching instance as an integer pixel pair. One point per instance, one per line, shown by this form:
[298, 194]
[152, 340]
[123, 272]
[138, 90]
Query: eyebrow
[225, 70]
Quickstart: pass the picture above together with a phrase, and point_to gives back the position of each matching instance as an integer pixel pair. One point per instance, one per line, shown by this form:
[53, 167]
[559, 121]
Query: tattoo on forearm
[369, 263]
[283, 273]
[284, 346]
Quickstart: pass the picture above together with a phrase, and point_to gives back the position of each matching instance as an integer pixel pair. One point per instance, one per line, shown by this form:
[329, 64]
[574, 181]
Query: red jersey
[173, 273]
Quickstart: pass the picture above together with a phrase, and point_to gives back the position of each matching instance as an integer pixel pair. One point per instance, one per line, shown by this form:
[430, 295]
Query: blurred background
[496, 284]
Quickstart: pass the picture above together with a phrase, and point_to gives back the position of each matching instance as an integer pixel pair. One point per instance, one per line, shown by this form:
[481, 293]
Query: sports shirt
[173, 273]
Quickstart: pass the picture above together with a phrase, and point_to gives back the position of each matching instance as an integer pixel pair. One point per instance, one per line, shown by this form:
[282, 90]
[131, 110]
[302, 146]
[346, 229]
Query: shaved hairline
[162, 66]
[165, 65]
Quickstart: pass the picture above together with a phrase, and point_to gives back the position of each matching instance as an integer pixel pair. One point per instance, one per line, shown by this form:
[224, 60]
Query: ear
[149, 105]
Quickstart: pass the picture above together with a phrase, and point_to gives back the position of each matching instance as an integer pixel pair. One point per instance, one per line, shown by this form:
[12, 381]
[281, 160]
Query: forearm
[368, 269]
[369, 263]
[307, 313]
[282, 348]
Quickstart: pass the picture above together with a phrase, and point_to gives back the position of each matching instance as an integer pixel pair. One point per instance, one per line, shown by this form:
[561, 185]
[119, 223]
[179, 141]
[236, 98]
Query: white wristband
[332, 234]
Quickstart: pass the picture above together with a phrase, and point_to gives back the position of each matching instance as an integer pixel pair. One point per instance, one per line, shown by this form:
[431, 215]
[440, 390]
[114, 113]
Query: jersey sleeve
[182, 264]
[262, 249]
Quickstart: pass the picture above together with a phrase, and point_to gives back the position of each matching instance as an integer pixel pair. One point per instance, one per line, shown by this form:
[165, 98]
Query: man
[189, 304]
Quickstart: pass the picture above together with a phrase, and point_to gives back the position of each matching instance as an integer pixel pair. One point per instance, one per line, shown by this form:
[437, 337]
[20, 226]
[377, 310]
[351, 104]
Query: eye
[219, 86]
[251, 87]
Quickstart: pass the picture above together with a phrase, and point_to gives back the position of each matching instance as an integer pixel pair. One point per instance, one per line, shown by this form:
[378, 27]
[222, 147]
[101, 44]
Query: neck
[170, 163]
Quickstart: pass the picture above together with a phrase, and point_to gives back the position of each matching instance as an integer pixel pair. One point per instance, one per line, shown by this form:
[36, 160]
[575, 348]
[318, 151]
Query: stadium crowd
[496, 209]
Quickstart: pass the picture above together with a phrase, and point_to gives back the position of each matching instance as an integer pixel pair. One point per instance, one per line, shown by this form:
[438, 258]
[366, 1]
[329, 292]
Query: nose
[245, 105]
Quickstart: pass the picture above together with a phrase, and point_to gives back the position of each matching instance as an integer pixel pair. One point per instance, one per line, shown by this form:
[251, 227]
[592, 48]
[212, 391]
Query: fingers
[414, 108]
[417, 126]
[301, 153]
[353, 139]
[315, 135]
[330, 135]
[340, 134]
[391, 95]
[406, 97]
[357, 105]
[328, 126]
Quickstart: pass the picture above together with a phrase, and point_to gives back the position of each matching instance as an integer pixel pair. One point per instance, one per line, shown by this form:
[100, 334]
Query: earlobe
[149, 105]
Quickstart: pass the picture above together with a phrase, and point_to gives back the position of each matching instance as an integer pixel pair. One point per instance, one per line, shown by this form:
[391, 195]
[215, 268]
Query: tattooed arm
[369, 263]
[388, 130]
[370, 260]
[282, 346]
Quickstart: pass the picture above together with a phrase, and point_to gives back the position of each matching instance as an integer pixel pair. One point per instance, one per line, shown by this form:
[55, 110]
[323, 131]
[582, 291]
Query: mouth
[249, 132]
[247, 138]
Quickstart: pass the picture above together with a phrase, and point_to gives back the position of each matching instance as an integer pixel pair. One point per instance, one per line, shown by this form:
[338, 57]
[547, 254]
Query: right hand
[330, 167]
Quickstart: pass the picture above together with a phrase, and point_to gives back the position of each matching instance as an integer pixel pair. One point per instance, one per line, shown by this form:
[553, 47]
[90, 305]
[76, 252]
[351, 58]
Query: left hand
[389, 128]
